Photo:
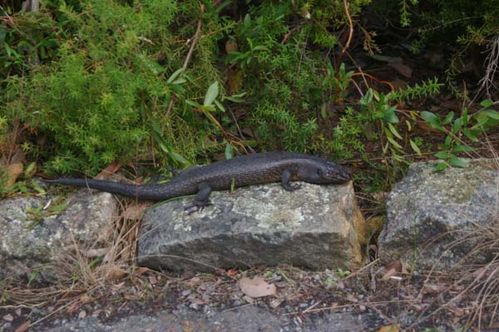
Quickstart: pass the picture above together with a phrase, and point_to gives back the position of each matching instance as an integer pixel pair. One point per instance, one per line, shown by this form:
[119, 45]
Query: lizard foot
[291, 187]
[196, 206]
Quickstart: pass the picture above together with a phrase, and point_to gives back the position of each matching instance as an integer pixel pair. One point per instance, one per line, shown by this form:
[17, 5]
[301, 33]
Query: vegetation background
[165, 83]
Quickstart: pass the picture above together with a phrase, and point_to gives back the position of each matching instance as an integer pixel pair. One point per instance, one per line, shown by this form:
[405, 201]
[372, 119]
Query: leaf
[448, 118]
[211, 94]
[432, 119]
[472, 133]
[462, 148]
[256, 287]
[394, 131]
[134, 211]
[415, 147]
[491, 114]
[109, 170]
[457, 125]
[440, 166]
[13, 171]
[236, 98]
[393, 142]
[229, 151]
[219, 105]
[30, 170]
[193, 103]
[165, 147]
[443, 155]
[390, 115]
[367, 98]
[458, 162]
[486, 103]
[402, 69]
[408, 125]
[174, 76]
[389, 328]
[392, 269]
[24, 327]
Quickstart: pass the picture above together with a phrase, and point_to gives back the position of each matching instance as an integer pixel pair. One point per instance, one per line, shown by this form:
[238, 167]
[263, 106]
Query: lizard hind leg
[201, 200]
[285, 181]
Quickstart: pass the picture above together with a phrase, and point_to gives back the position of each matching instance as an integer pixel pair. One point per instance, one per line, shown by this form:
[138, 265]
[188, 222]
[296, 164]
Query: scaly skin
[259, 168]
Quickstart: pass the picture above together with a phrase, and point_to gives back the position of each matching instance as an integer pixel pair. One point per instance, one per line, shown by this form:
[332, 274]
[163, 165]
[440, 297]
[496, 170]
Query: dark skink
[258, 168]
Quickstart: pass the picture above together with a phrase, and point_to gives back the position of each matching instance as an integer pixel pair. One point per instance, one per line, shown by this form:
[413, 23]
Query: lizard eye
[319, 172]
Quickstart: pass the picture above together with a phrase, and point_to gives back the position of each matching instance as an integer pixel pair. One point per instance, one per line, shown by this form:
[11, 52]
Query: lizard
[253, 169]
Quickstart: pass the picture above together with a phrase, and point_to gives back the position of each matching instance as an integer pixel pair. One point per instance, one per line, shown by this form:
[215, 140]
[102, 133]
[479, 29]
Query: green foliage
[104, 94]
[405, 16]
[348, 134]
[286, 80]
[281, 130]
[467, 125]
[337, 82]
[30, 42]
[377, 117]
[428, 88]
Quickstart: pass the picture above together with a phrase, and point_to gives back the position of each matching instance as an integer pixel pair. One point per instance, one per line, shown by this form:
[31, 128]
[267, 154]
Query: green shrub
[107, 86]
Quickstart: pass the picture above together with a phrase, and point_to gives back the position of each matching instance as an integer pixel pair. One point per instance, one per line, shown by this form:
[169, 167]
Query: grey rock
[428, 211]
[32, 236]
[315, 227]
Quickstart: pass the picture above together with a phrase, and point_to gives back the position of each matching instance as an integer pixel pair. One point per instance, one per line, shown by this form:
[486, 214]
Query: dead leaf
[114, 272]
[194, 281]
[230, 46]
[8, 318]
[73, 307]
[23, 327]
[234, 80]
[82, 314]
[109, 170]
[135, 211]
[232, 273]
[256, 287]
[152, 279]
[402, 69]
[433, 288]
[13, 171]
[85, 298]
[392, 269]
[142, 270]
[276, 302]
[389, 328]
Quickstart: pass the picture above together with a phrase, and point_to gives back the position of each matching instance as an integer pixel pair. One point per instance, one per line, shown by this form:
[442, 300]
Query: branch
[194, 41]
[350, 26]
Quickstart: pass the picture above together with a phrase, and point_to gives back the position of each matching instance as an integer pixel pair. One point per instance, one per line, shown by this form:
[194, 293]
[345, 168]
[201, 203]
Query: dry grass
[84, 273]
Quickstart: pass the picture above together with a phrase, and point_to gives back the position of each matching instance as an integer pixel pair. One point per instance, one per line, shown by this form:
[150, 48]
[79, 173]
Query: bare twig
[193, 41]
[350, 26]
[487, 83]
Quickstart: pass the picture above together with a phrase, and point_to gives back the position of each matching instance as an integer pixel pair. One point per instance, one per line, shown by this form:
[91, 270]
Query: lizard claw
[292, 187]
[196, 206]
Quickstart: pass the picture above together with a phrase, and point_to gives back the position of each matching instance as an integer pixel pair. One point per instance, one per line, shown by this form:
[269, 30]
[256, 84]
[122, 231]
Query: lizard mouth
[342, 176]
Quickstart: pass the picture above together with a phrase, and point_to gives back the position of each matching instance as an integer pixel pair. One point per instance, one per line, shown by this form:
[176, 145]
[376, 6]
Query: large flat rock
[428, 212]
[315, 227]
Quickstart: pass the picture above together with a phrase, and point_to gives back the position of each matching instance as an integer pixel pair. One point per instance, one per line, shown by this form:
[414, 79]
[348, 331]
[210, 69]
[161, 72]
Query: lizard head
[321, 171]
[332, 173]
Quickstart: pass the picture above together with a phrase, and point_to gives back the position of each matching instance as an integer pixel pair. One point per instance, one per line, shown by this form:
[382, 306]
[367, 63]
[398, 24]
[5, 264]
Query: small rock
[428, 211]
[32, 236]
